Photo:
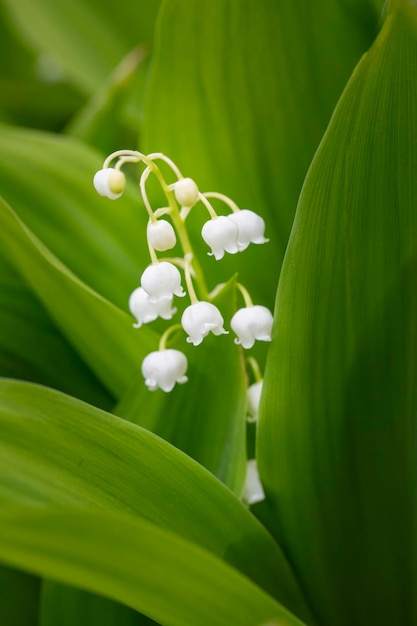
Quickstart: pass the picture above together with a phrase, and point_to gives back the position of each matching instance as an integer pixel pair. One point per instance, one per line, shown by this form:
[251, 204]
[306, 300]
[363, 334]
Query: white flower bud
[251, 228]
[161, 235]
[253, 399]
[252, 323]
[110, 183]
[221, 235]
[253, 490]
[145, 311]
[164, 368]
[186, 192]
[161, 281]
[199, 319]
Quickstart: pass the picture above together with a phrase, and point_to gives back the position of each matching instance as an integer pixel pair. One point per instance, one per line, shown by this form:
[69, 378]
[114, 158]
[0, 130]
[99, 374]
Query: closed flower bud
[161, 281]
[186, 192]
[145, 311]
[164, 368]
[253, 491]
[110, 183]
[161, 235]
[221, 235]
[253, 400]
[252, 323]
[199, 319]
[251, 228]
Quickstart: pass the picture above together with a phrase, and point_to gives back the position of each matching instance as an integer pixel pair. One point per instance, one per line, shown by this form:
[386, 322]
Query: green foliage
[123, 507]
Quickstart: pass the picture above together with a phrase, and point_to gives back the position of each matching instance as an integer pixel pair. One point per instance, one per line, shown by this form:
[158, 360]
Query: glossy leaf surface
[337, 434]
[56, 449]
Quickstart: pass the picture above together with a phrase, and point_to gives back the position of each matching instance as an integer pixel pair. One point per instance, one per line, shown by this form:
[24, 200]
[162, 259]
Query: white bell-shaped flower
[252, 323]
[253, 398]
[110, 183]
[145, 311]
[161, 281]
[161, 235]
[253, 490]
[221, 234]
[164, 368]
[251, 228]
[199, 319]
[186, 192]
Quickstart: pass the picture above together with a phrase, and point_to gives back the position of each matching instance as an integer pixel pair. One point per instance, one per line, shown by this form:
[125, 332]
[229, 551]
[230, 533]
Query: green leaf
[57, 449]
[100, 332]
[103, 121]
[337, 434]
[19, 598]
[70, 606]
[206, 418]
[31, 347]
[87, 38]
[134, 562]
[48, 180]
[239, 96]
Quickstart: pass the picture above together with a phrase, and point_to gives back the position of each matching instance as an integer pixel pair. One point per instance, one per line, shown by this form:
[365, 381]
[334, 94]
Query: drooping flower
[164, 368]
[252, 323]
[110, 183]
[186, 192]
[221, 234]
[145, 311]
[253, 490]
[161, 235]
[161, 281]
[251, 228]
[253, 399]
[201, 318]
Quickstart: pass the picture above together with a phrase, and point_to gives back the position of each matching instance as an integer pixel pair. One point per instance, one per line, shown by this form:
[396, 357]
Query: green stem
[164, 338]
[245, 294]
[223, 198]
[256, 370]
[188, 280]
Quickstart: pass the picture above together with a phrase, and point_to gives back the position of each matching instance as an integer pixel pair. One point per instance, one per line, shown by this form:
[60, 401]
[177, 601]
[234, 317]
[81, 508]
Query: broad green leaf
[135, 562]
[206, 418]
[31, 347]
[99, 331]
[69, 606]
[19, 598]
[337, 434]
[25, 96]
[47, 179]
[239, 95]
[103, 121]
[87, 38]
[54, 448]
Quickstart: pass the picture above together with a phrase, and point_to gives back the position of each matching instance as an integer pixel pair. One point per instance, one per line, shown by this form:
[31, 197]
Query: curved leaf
[206, 418]
[337, 436]
[136, 563]
[239, 95]
[48, 180]
[16, 586]
[54, 448]
[31, 348]
[87, 37]
[100, 332]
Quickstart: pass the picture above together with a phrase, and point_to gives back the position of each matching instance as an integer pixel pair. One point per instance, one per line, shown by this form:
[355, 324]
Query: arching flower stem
[152, 254]
[256, 370]
[188, 280]
[169, 331]
[223, 198]
[245, 294]
[134, 156]
[208, 205]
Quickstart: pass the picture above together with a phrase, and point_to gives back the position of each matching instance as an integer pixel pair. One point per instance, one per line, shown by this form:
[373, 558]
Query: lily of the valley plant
[197, 429]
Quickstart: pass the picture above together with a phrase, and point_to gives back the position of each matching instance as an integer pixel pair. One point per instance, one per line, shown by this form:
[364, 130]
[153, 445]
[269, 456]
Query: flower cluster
[161, 281]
